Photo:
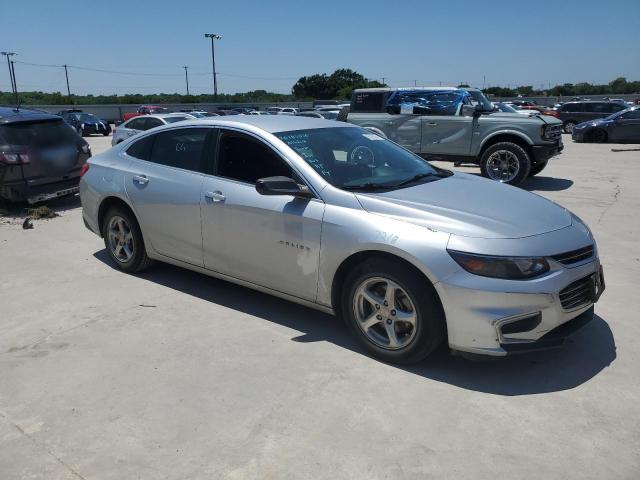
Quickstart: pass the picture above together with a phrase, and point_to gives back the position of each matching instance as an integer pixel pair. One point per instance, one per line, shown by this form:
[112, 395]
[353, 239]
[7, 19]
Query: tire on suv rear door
[505, 162]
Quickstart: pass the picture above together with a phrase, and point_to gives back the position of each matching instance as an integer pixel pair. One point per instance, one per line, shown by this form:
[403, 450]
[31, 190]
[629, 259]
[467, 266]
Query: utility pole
[484, 80]
[9, 55]
[186, 77]
[415, 83]
[214, 36]
[383, 81]
[66, 74]
[15, 84]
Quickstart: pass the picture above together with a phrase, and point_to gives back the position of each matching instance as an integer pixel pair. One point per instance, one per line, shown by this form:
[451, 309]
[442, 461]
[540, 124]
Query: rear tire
[537, 168]
[505, 162]
[569, 126]
[123, 240]
[405, 329]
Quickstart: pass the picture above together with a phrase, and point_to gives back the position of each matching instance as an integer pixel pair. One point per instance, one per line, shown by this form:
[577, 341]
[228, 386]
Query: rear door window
[597, 107]
[616, 107]
[142, 148]
[180, 148]
[573, 107]
[152, 123]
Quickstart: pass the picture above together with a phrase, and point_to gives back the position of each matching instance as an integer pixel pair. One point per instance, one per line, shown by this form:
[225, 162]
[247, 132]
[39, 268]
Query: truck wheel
[568, 126]
[505, 162]
[537, 168]
[392, 311]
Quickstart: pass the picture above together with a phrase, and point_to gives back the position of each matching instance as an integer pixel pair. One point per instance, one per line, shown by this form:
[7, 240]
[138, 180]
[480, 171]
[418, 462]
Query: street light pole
[66, 74]
[186, 77]
[9, 55]
[214, 36]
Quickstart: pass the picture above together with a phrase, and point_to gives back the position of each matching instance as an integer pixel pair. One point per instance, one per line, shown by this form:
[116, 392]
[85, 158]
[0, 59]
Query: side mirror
[282, 186]
[468, 111]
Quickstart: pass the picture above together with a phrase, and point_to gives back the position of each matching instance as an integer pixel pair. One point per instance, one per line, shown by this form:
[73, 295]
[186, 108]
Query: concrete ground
[173, 375]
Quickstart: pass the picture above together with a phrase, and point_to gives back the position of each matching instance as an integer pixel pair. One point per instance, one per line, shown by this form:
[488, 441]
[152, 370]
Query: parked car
[459, 125]
[288, 111]
[337, 218]
[274, 110]
[144, 110]
[86, 124]
[573, 113]
[257, 112]
[146, 122]
[198, 113]
[68, 110]
[620, 127]
[508, 108]
[243, 109]
[41, 157]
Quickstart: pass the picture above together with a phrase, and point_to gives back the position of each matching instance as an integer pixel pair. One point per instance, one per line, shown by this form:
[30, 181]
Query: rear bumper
[21, 191]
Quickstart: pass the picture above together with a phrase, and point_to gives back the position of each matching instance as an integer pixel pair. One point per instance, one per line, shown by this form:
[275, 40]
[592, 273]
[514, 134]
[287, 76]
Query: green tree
[338, 85]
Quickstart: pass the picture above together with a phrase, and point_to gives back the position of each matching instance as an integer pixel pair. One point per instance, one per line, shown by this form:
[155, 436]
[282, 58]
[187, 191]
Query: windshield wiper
[366, 186]
[415, 178]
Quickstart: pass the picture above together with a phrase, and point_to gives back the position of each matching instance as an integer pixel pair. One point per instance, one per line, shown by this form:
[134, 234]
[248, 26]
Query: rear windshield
[53, 132]
[367, 102]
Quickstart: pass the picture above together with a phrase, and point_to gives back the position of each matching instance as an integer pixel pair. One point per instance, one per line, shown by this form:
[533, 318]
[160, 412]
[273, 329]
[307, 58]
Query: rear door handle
[216, 196]
[140, 179]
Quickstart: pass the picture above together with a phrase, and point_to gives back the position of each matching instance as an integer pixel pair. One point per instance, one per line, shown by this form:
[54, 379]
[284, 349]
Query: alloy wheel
[503, 166]
[385, 313]
[120, 239]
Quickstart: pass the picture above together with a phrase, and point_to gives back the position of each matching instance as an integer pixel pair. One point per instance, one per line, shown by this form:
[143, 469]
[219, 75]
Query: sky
[270, 44]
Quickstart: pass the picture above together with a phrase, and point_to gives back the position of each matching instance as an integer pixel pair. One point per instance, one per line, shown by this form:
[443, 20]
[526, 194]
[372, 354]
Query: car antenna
[17, 109]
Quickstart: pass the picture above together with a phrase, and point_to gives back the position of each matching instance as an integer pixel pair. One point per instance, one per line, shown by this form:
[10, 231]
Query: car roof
[269, 123]
[11, 115]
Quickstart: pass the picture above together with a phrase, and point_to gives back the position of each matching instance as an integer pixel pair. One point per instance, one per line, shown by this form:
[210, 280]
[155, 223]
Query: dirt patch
[41, 212]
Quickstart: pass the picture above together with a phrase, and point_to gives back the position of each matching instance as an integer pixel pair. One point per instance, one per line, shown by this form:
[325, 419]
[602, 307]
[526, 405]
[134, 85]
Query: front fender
[517, 133]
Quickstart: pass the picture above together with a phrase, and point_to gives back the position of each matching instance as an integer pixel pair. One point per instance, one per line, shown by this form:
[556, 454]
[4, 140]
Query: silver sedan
[141, 123]
[334, 217]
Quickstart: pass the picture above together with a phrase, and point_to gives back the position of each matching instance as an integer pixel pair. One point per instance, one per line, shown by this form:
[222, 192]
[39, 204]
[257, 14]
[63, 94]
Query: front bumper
[477, 319]
[542, 153]
[578, 135]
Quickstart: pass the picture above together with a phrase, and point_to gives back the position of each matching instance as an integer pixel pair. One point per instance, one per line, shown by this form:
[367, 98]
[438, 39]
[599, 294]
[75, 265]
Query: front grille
[574, 256]
[581, 292]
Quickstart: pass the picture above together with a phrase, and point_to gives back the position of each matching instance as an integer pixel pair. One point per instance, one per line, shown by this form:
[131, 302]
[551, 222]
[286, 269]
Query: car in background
[226, 112]
[274, 110]
[507, 108]
[198, 113]
[573, 113]
[144, 110]
[68, 110]
[243, 109]
[326, 114]
[146, 122]
[87, 124]
[288, 111]
[41, 157]
[459, 125]
[256, 112]
[620, 127]
[334, 217]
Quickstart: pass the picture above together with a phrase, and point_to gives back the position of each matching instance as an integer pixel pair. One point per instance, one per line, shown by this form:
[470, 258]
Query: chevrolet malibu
[337, 218]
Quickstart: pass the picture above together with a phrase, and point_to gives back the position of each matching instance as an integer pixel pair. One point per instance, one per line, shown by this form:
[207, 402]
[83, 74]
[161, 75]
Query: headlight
[511, 268]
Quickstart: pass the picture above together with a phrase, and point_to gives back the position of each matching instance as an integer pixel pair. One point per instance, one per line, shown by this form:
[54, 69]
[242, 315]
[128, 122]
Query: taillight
[14, 158]
[84, 169]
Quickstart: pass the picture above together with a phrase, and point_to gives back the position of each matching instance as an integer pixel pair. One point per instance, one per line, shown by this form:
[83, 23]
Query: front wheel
[597, 135]
[393, 311]
[123, 240]
[505, 162]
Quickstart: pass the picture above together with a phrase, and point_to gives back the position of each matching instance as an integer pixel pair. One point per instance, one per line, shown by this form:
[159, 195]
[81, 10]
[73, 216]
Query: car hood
[470, 206]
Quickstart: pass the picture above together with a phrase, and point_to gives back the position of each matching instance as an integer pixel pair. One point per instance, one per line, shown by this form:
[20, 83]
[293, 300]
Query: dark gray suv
[573, 113]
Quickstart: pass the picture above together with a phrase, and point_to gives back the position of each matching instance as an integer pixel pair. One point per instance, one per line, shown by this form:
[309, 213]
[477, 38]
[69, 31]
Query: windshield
[356, 158]
[503, 107]
[174, 119]
[87, 117]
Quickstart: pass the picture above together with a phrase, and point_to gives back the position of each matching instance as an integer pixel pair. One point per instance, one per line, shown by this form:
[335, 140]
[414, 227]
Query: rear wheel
[393, 311]
[123, 240]
[505, 162]
[537, 168]
[568, 126]
[597, 135]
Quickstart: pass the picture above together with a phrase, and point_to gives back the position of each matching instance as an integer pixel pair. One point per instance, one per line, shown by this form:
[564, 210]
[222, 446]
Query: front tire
[505, 162]
[597, 135]
[123, 240]
[393, 311]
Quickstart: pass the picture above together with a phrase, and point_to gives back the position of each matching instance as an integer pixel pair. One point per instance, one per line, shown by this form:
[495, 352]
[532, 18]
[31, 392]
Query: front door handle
[216, 196]
[140, 179]
[432, 124]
